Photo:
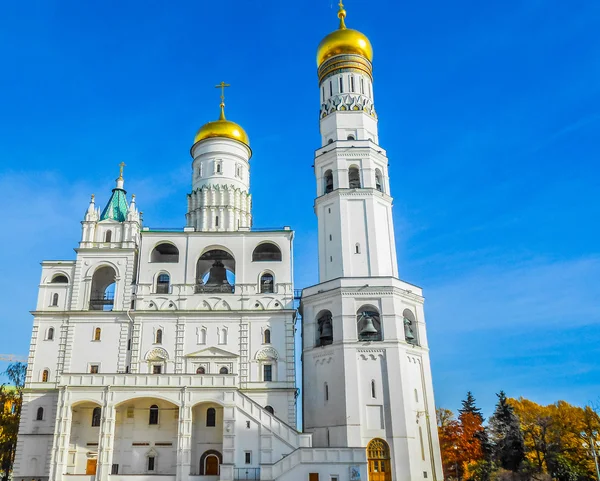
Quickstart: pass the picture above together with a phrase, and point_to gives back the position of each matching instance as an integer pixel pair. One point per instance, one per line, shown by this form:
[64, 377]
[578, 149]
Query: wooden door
[90, 467]
[212, 466]
[379, 470]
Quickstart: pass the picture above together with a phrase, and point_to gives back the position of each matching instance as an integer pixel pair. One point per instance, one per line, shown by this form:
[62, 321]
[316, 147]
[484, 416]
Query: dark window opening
[328, 181]
[108, 236]
[40, 414]
[201, 370]
[55, 300]
[223, 370]
[267, 284]
[114, 469]
[151, 463]
[165, 253]
[96, 416]
[60, 279]
[266, 252]
[50, 334]
[267, 336]
[248, 458]
[211, 417]
[162, 284]
[267, 373]
[159, 335]
[270, 409]
[157, 369]
[153, 417]
[94, 369]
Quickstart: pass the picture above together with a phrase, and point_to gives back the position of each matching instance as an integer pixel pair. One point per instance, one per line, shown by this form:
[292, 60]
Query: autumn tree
[11, 398]
[474, 449]
[508, 447]
[449, 435]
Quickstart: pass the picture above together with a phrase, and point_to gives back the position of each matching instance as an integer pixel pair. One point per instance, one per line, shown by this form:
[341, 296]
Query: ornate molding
[348, 103]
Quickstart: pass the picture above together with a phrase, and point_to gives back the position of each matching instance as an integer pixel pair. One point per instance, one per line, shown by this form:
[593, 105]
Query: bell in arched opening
[325, 329]
[369, 327]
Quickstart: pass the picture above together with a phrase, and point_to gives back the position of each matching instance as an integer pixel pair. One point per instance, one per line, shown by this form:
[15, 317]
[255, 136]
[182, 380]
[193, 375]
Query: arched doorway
[210, 463]
[378, 457]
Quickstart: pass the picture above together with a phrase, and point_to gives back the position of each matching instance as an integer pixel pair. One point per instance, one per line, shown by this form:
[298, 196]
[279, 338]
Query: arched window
[45, 375]
[328, 179]
[266, 252]
[368, 324]
[108, 236]
[223, 370]
[102, 297]
[324, 328]
[96, 415]
[267, 336]
[159, 334]
[330, 141]
[40, 414]
[165, 253]
[270, 409]
[354, 177]
[222, 334]
[373, 395]
[153, 415]
[162, 284]
[54, 300]
[378, 180]
[410, 328]
[202, 335]
[97, 334]
[211, 417]
[50, 334]
[266, 283]
[59, 279]
[218, 167]
[350, 137]
[201, 370]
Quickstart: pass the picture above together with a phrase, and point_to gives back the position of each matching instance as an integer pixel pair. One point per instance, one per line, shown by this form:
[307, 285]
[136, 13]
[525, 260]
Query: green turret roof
[117, 206]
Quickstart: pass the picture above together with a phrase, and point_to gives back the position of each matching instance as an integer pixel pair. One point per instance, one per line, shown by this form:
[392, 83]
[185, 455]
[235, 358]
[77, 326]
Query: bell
[368, 328]
[408, 332]
[326, 331]
[217, 275]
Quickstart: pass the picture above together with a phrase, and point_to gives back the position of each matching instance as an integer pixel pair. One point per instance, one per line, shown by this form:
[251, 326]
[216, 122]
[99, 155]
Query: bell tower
[366, 372]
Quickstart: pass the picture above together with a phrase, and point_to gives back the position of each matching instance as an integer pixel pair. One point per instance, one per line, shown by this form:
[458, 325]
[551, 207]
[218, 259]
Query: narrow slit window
[211, 417]
[153, 415]
[40, 414]
[362, 85]
[330, 88]
[373, 394]
[96, 416]
[97, 334]
[341, 85]
[267, 373]
[326, 386]
[55, 300]
[351, 83]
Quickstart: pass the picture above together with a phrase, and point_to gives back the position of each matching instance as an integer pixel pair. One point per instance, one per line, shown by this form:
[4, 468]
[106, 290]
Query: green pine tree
[508, 447]
[468, 406]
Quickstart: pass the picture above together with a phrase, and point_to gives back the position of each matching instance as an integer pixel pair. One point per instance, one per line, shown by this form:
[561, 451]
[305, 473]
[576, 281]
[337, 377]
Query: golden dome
[344, 41]
[222, 128]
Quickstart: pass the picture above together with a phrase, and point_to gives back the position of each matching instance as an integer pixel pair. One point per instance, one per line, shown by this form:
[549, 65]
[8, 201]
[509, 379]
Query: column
[184, 437]
[107, 437]
[62, 434]
[227, 468]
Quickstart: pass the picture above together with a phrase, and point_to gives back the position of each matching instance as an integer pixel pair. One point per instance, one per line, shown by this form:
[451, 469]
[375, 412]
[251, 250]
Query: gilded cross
[222, 86]
[121, 165]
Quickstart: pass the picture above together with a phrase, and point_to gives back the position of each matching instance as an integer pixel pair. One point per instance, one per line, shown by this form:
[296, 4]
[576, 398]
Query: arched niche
[267, 251]
[410, 327]
[102, 296]
[165, 252]
[324, 323]
[368, 324]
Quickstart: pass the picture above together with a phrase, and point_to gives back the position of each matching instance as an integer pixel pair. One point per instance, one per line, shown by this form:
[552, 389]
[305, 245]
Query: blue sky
[489, 112]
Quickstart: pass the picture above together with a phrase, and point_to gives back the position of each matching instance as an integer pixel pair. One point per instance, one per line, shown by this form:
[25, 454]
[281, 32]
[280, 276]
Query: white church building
[170, 355]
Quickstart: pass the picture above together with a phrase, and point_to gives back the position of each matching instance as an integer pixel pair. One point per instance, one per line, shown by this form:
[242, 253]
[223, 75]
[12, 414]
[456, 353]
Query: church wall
[87, 351]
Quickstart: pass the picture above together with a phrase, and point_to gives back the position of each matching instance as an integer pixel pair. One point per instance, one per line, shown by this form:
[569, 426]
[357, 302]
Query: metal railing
[246, 473]
[223, 289]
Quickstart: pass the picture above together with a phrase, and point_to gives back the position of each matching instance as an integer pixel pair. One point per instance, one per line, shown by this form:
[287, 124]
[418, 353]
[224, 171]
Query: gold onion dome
[222, 128]
[344, 41]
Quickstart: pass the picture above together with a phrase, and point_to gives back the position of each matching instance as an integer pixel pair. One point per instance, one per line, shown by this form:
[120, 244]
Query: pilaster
[62, 433]
[184, 437]
[107, 436]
